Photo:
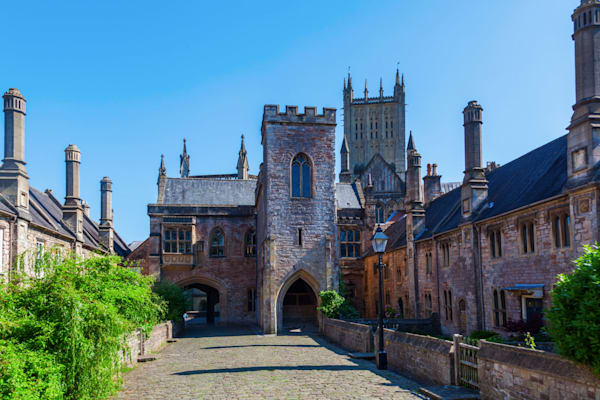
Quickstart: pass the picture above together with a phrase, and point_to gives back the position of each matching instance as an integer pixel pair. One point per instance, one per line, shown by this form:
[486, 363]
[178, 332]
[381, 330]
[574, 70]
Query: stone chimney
[14, 182]
[583, 146]
[106, 214]
[73, 208]
[432, 186]
[474, 188]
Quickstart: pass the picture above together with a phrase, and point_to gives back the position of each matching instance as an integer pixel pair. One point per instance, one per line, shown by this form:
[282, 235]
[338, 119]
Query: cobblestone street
[219, 363]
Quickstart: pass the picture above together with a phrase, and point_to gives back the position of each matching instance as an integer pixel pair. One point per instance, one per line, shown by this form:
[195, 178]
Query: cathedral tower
[375, 125]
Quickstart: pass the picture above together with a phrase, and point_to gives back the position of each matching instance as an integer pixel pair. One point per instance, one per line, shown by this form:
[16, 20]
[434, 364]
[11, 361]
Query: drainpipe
[437, 277]
[257, 303]
[482, 297]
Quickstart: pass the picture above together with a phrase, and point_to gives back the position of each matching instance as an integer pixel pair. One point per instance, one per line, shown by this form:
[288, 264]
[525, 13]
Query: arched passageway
[300, 307]
[205, 303]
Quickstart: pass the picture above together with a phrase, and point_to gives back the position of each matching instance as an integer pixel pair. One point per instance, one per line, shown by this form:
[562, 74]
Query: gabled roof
[533, 177]
[346, 196]
[210, 192]
[46, 211]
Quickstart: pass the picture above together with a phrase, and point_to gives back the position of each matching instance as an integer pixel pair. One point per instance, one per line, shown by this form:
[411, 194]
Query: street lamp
[379, 240]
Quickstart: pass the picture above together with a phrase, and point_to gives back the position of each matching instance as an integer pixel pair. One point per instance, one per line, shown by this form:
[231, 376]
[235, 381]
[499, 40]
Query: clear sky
[128, 80]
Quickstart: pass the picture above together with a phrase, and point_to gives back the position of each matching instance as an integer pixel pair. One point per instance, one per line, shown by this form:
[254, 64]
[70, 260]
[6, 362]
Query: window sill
[216, 256]
[300, 198]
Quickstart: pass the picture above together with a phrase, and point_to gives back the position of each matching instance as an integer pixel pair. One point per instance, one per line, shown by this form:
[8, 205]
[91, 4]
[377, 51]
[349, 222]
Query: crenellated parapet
[310, 116]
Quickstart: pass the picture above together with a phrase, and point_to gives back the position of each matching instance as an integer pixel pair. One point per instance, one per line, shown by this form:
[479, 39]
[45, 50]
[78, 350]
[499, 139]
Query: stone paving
[226, 363]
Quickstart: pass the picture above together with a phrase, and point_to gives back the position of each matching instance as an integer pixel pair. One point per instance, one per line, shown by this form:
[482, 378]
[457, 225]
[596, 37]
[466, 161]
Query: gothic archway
[205, 303]
[209, 299]
[297, 303]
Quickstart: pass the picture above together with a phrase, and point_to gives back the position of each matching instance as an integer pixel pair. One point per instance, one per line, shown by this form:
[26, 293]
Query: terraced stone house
[34, 221]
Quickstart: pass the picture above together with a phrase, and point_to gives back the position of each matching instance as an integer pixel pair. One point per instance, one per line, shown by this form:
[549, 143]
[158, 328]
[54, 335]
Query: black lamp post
[379, 240]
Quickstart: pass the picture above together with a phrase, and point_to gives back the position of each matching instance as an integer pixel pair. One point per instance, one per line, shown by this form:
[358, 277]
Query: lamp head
[379, 240]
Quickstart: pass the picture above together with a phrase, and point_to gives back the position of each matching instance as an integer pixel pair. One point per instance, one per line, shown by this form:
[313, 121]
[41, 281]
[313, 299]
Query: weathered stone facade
[488, 253]
[297, 233]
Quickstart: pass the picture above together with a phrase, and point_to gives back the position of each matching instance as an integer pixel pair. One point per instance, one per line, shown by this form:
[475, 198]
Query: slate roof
[346, 196]
[210, 192]
[45, 211]
[533, 177]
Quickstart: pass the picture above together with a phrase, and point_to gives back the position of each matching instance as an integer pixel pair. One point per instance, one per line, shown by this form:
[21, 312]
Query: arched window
[379, 214]
[301, 176]
[250, 244]
[217, 244]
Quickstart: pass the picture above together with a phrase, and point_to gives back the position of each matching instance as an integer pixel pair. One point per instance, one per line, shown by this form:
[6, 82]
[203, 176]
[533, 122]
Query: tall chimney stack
[73, 208]
[432, 186]
[14, 181]
[106, 214]
[474, 188]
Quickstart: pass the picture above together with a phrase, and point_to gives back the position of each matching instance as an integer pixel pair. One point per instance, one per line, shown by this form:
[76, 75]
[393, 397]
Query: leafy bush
[390, 312]
[334, 305]
[72, 314]
[496, 339]
[331, 302]
[177, 302]
[482, 334]
[27, 374]
[575, 313]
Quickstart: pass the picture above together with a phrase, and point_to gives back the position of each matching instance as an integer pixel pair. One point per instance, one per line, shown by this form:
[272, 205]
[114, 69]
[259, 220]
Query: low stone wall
[350, 336]
[508, 372]
[426, 326]
[424, 358]
[138, 345]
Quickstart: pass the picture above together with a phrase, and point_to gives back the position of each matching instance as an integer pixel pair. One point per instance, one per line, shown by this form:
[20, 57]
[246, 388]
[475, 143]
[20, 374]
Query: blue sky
[127, 81]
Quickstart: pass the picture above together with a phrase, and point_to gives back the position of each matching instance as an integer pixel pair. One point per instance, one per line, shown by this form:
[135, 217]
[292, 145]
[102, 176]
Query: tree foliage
[575, 313]
[63, 328]
[335, 304]
[176, 300]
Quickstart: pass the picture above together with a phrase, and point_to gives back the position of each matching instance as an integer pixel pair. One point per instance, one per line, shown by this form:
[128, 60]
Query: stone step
[362, 356]
[146, 359]
[449, 393]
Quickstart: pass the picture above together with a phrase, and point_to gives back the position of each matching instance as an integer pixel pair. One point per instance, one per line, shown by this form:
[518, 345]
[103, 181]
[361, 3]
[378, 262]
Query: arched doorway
[400, 308]
[299, 307]
[205, 303]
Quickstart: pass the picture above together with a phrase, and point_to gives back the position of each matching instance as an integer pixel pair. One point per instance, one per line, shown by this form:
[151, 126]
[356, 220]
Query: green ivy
[72, 314]
[575, 313]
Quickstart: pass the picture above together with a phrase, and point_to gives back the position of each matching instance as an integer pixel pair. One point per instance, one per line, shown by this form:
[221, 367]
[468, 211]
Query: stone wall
[424, 358]
[350, 336]
[138, 345]
[508, 372]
